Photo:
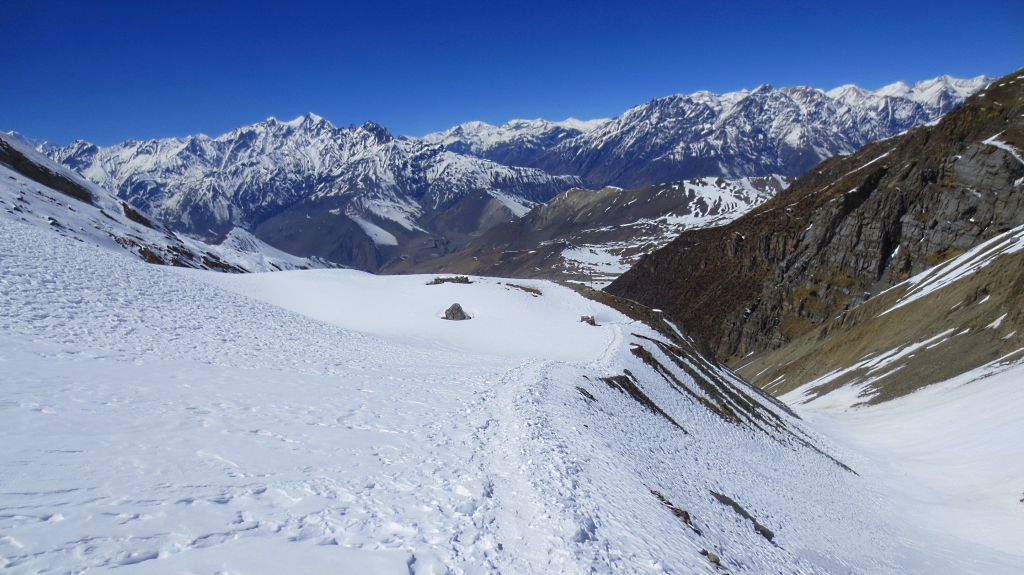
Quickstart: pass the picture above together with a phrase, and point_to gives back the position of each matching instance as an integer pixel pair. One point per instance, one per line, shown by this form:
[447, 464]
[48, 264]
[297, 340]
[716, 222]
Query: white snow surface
[239, 242]
[328, 421]
[379, 235]
[948, 457]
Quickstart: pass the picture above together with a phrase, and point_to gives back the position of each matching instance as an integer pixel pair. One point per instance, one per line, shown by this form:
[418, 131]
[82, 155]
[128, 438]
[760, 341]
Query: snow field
[950, 460]
[148, 415]
[159, 420]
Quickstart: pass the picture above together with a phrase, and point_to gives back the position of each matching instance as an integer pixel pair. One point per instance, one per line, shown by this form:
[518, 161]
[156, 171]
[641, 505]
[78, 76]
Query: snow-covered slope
[255, 254]
[35, 190]
[160, 420]
[948, 457]
[748, 133]
[709, 202]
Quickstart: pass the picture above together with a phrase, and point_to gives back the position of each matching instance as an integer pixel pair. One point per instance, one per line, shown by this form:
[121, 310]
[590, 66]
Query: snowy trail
[156, 422]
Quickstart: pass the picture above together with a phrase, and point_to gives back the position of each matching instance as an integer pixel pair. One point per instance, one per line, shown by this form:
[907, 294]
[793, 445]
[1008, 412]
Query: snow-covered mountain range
[514, 143]
[359, 196]
[206, 186]
[39, 192]
[747, 133]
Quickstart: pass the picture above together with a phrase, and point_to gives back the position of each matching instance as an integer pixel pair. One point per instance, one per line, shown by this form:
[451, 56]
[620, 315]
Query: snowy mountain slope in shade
[765, 131]
[159, 424]
[35, 190]
[514, 143]
[949, 455]
[595, 236]
[206, 187]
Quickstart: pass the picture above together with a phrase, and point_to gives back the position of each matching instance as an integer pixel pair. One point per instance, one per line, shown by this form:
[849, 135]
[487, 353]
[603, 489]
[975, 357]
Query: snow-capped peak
[938, 94]
[896, 89]
[39, 145]
[512, 142]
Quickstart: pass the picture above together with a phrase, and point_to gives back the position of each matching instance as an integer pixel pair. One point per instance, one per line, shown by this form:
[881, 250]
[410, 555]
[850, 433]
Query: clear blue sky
[106, 71]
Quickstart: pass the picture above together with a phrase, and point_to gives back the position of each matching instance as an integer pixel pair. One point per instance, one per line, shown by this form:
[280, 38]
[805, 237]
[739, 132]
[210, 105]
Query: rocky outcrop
[952, 319]
[848, 229]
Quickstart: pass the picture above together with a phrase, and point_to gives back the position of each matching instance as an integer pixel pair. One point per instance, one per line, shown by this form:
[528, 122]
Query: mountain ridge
[765, 131]
[361, 197]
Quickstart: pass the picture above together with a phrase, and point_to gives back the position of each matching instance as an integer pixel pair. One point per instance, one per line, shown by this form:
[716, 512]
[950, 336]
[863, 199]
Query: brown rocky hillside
[848, 229]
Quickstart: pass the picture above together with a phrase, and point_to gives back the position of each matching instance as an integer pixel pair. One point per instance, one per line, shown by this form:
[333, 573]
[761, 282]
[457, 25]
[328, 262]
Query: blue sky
[106, 71]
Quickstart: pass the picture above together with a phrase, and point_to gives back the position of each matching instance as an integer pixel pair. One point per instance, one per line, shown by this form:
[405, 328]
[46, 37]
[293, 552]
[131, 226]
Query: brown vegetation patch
[449, 280]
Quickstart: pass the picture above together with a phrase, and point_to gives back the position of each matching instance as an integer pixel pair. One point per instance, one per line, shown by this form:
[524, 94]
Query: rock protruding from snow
[455, 313]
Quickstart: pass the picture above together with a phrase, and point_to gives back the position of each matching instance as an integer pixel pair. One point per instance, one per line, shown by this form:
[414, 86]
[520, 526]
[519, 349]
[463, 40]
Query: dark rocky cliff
[848, 229]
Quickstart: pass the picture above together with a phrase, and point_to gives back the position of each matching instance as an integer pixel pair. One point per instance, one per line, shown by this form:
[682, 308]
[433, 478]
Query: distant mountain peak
[379, 132]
